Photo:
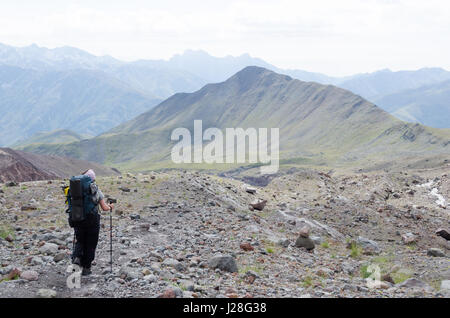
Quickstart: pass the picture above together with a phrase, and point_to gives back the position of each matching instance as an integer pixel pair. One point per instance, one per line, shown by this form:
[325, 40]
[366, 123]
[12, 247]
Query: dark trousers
[86, 234]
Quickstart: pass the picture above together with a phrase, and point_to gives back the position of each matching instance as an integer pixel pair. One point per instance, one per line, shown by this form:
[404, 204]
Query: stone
[171, 293]
[36, 260]
[223, 262]
[173, 263]
[59, 257]
[413, 283]
[28, 208]
[13, 274]
[128, 273]
[444, 234]
[304, 231]
[387, 278]
[258, 204]
[49, 249]
[146, 272]
[317, 240]
[246, 247]
[369, 247]
[29, 275]
[284, 243]
[305, 242]
[250, 190]
[46, 293]
[435, 252]
[409, 238]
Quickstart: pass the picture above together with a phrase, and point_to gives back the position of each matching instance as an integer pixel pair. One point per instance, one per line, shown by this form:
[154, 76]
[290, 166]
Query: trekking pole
[110, 235]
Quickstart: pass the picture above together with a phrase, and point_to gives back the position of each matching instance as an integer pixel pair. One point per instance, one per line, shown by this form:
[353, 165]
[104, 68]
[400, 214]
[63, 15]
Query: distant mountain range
[428, 105]
[85, 101]
[319, 123]
[66, 88]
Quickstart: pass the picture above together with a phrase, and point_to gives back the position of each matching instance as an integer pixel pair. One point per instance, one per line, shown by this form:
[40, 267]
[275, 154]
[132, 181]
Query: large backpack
[80, 199]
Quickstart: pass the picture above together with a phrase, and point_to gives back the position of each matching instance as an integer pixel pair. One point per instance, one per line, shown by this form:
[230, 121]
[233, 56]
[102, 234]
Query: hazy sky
[329, 36]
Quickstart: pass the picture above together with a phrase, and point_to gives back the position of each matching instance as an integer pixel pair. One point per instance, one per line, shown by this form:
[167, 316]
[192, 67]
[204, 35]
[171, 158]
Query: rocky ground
[188, 234]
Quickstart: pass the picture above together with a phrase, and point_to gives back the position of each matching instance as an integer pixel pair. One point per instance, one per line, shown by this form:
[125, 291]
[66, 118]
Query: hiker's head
[90, 173]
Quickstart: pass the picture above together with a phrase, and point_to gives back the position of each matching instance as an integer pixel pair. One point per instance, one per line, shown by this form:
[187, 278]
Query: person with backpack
[84, 198]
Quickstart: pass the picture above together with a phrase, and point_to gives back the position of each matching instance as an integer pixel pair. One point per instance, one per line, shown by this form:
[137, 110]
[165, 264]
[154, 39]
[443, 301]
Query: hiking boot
[76, 261]
[86, 271]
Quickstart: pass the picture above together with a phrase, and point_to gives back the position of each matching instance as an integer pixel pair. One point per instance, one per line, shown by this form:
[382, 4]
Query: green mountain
[84, 101]
[318, 123]
[62, 136]
[428, 105]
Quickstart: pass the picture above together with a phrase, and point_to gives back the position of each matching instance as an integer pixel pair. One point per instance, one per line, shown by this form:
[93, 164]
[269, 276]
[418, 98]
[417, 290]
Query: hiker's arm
[104, 206]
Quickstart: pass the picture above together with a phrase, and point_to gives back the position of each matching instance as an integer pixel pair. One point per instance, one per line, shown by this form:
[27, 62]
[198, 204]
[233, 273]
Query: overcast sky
[329, 36]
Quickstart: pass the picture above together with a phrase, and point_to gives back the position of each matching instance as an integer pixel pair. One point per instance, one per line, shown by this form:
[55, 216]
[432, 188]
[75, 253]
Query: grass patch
[257, 269]
[6, 230]
[325, 244]
[400, 277]
[307, 281]
[356, 251]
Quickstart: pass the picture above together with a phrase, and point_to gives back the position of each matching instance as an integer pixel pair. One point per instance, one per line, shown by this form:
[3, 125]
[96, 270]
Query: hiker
[87, 231]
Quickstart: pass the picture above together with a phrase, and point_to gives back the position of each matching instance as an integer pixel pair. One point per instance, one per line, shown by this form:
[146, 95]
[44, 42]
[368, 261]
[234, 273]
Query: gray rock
[29, 275]
[435, 252]
[6, 270]
[36, 260]
[316, 239]
[250, 190]
[49, 249]
[59, 257]
[369, 246]
[46, 293]
[129, 273]
[284, 243]
[413, 283]
[223, 262]
[305, 242]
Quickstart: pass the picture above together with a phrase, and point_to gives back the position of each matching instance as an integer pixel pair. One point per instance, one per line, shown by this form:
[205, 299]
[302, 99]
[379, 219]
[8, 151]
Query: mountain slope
[316, 121]
[19, 166]
[428, 105]
[87, 102]
[62, 136]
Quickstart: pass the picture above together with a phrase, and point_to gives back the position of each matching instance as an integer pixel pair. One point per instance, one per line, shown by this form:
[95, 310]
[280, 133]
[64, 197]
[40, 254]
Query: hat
[90, 173]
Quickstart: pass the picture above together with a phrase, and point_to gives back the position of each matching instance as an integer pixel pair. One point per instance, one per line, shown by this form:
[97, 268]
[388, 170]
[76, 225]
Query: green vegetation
[307, 281]
[257, 269]
[6, 230]
[356, 251]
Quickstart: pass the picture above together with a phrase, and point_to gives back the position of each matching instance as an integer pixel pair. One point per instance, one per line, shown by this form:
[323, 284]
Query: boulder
[247, 247]
[223, 262]
[435, 252]
[48, 249]
[369, 247]
[305, 242]
[29, 275]
[409, 238]
[258, 204]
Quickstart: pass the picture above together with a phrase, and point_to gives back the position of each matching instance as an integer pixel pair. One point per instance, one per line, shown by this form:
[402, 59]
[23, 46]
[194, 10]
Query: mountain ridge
[321, 122]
